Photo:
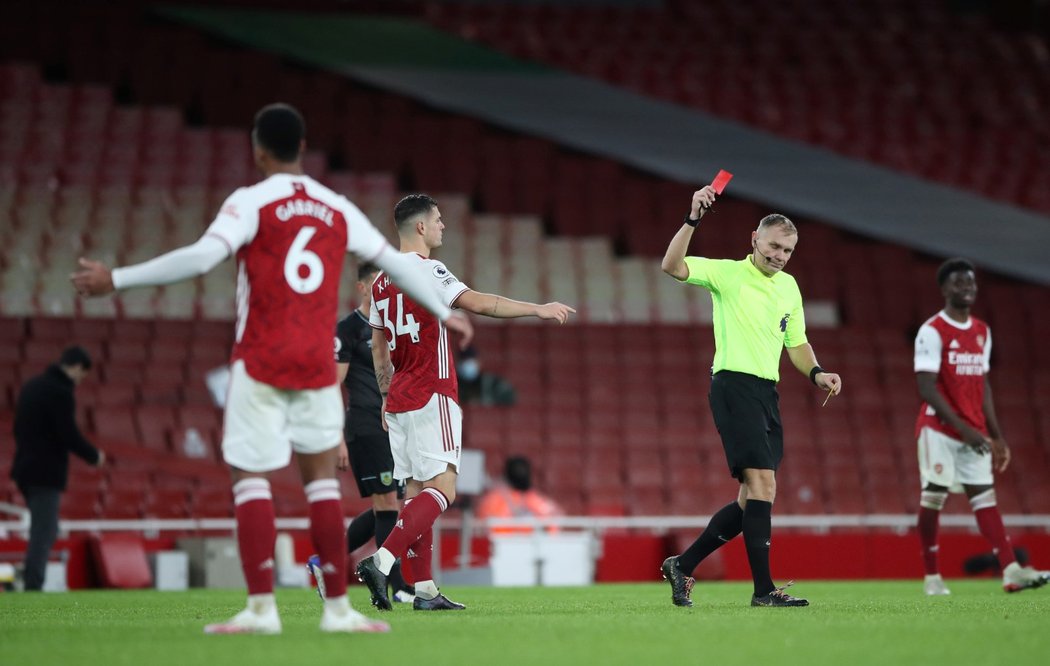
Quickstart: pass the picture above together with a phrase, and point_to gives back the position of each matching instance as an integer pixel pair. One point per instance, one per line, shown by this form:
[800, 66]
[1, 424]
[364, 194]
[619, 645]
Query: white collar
[962, 327]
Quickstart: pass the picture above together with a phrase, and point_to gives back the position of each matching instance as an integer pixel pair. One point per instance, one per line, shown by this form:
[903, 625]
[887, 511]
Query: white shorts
[263, 424]
[947, 462]
[426, 441]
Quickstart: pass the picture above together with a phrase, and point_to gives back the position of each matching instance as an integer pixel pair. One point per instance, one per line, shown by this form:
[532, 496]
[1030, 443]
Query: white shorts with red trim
[946, 461]
[426, 441]
[263, 424]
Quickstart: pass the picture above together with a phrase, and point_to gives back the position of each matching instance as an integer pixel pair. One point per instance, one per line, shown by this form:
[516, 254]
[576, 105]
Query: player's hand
[459, 323]
[342, 461]
[976, 440]
[93, 278]
[829, 381]
[703, 199]
[382, 415]
[1000, 455]
[556, 311]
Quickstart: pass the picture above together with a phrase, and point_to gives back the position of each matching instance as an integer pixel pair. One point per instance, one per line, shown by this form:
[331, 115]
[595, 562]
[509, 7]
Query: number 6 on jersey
[406, 324]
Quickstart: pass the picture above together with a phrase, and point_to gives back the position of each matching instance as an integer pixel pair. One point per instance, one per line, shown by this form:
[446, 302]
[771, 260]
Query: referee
[368, 445]
[757, 312]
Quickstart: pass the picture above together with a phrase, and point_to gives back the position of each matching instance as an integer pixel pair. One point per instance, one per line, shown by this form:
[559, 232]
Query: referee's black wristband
[814, 372]
[691, 222]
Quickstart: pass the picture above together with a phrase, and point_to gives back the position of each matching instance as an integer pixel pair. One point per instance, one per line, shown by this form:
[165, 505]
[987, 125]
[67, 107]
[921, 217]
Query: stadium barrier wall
[804, 547]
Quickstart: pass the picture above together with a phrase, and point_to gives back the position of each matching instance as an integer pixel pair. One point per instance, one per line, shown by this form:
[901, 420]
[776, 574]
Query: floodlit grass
[849, 623]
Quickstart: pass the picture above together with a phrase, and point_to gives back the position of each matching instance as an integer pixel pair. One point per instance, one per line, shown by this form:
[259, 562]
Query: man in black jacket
[45, 432]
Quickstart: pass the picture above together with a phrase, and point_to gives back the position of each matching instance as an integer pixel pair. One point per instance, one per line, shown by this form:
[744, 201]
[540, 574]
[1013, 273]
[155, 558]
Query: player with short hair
[957, 430]
[417, 377]
[757, 314]
[289, 234]
[367, 443]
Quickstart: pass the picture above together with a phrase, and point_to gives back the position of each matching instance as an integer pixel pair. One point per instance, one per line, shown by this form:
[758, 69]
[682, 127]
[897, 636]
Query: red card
[721, 180]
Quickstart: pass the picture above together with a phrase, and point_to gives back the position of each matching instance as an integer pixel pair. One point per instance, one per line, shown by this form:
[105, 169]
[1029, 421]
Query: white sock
[426, 589]
[338, 605]
[261, 603]
[384, 561]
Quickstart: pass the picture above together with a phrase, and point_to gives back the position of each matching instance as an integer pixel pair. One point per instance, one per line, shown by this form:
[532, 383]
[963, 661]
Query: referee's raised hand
[703, 199]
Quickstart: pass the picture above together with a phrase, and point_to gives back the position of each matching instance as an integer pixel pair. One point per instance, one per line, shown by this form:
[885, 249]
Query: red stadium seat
[120, 561]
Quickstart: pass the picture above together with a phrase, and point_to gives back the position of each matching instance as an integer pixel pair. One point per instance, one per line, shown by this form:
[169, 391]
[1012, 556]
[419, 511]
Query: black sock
[757, 532]
[360, 531]
[724, 526]
[385, 521]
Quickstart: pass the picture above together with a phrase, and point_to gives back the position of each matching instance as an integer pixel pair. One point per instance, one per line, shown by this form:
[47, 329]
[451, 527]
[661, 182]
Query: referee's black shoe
[681, 585]
[440, 602]
[778, 597]
[369, 574]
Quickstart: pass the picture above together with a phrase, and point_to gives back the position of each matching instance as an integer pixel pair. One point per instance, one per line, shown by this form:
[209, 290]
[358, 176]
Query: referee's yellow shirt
[755, 316]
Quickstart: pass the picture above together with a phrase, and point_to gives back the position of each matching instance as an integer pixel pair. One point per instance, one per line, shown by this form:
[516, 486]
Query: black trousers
[43, 506]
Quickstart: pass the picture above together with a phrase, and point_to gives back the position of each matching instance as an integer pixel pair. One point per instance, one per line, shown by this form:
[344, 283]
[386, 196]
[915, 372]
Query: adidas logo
[954, 344]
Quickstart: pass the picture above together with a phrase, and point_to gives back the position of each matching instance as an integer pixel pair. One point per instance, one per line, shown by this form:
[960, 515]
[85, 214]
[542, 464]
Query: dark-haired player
[367, 442]
[289, 234]
[417, 377]
[959, 438]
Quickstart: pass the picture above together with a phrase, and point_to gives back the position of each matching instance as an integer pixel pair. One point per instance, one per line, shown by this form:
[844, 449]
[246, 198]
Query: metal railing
[816, 522]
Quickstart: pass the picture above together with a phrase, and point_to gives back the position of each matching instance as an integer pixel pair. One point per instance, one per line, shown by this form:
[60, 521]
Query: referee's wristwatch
[691, 222]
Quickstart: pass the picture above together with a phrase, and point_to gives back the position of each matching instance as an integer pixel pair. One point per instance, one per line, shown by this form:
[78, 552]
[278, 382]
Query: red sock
[990, 522]
[929, 523]
[416, 518]
[326, 532]
[930, 504]
[421, 556]
[256, 533]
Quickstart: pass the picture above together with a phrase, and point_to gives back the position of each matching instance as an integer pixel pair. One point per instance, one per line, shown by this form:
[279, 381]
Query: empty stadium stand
[905, 84]
[100, 160]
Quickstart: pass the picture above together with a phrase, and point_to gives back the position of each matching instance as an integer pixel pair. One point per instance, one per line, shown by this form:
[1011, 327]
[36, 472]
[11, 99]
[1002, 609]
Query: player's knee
[760, 485]
[386, 502]
[933, 497]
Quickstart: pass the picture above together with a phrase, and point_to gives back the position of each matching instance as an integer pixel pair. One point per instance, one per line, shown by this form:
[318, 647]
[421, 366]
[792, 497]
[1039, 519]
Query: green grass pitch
[849, 623]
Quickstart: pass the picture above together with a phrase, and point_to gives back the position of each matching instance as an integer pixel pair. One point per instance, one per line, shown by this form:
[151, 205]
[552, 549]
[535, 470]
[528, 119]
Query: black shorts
[373, 465]
[747, 414]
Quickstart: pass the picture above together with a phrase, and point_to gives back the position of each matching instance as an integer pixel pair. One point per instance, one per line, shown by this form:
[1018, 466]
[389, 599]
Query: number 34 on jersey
[397, 321]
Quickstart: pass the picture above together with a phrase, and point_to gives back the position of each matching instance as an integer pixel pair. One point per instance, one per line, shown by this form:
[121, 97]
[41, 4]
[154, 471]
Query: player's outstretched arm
[499, 307]
[674, 258]
[95, 279]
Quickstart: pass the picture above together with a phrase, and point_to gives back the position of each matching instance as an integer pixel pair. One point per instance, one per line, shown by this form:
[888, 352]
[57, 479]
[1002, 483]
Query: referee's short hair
[74, 356]
[774, 219]
[279, 129]
[411, 206]
[953, 265]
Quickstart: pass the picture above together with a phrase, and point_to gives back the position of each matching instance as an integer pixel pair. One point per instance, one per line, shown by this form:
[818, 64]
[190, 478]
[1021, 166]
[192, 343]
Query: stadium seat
[120, 561]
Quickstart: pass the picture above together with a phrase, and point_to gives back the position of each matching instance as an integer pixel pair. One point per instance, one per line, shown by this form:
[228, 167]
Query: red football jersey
[290, 235]
[419, 343]
[959, 354]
